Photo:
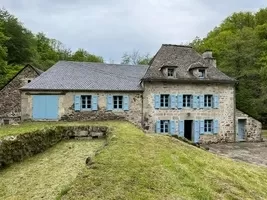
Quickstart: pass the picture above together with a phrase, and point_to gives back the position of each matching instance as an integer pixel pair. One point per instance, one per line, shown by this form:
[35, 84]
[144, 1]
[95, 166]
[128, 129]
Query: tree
[135, 58]
[3, 53]
[83, 56]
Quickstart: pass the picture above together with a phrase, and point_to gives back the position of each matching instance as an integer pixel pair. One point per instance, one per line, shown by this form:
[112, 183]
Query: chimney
[207, 55]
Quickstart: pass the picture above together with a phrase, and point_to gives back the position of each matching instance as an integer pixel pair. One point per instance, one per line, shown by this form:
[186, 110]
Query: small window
[187, 101]
[170, 72]
[29, 81]
[208, 101]
[201, 73]
[208, 126]
[117, 102]
[164, 100]
[164, 126]
[86, 101]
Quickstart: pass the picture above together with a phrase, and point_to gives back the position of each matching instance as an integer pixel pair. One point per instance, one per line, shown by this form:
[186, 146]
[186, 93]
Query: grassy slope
[47, 174]
[140, 166]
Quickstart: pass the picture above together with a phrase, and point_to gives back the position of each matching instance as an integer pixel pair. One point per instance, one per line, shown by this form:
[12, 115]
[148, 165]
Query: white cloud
[111, 27]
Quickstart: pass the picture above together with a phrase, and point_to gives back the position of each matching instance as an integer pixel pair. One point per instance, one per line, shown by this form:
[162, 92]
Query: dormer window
[170, 72]
[201, 73]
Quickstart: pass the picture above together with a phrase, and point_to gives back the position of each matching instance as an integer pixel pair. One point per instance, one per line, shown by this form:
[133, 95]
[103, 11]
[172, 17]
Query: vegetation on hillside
[240, 47]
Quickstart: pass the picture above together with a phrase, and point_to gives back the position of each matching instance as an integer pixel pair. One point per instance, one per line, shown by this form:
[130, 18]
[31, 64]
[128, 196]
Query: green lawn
[48, 174]
[264, 133]
[135, 165]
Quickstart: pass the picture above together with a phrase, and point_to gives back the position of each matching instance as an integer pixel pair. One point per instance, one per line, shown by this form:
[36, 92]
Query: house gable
[10, 101]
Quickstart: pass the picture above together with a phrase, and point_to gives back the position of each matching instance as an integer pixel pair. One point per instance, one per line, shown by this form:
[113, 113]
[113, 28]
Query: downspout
[142, 109]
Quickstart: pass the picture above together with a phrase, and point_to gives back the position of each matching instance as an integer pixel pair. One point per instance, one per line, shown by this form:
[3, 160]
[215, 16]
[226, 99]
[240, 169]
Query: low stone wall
[17, 148]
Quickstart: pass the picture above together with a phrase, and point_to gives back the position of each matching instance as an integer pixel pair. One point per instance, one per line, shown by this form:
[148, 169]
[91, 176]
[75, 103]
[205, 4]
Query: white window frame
[164, 100]
[116, 102]
[208, 101]
[164, 126]
[86, 100]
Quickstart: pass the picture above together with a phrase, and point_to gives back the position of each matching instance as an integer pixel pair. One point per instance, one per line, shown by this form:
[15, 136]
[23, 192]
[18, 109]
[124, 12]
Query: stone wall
[225, 113]
[10, 102]
[67, 113]
[253, 127]
[17, 148]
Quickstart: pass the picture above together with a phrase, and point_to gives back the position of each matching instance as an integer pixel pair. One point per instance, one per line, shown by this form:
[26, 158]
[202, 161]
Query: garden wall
[17, 148]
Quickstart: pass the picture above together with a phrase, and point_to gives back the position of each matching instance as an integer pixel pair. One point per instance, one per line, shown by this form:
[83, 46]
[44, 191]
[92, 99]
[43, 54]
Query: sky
[109, 28]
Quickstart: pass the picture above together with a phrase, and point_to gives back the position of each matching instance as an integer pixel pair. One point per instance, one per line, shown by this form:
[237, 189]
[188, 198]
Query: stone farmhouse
[10, 102]
[181, 92]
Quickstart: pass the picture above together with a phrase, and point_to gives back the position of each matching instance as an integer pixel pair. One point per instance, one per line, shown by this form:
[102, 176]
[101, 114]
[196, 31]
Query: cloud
[111, 27]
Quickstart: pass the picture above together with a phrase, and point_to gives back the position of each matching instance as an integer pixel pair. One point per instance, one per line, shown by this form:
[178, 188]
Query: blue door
[45, 107]
[241, 130]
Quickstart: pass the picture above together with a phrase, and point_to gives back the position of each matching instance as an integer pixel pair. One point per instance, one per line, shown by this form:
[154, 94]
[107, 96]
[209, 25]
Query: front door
[188, 129]
[241, 136]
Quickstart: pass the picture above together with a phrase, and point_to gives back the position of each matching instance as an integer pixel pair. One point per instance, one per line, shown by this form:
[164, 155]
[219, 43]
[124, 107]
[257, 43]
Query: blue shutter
[215, 101]
[158, 126]
[196, 131]
[215, 126]
[173, 101]
[94, 102]
[201, 126]
[157, 101]
[172, 127]
[181, 128]
[201, 101]
[109, 102]
[195, 101]
[180, 101]
[77, 102]
[125, 102]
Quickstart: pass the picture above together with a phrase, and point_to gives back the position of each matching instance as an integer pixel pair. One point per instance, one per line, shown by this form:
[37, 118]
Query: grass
[264, 133]
[49, 174]
[135, 165]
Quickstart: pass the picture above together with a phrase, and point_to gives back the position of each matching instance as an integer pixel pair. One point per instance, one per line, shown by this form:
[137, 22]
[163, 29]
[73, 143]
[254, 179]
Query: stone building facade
[181, 93]
[10, 102]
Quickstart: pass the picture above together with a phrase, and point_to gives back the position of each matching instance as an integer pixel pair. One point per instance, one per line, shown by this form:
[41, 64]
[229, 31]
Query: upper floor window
[208, 101]
[170, 72]
[117, 102]
[201, 73]
[164, 126]
[187, 101]
[208, 124]
[164, 100]
[86, 101]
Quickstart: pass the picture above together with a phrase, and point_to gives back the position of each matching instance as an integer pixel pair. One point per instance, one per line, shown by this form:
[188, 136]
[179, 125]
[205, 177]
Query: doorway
[241, 130]
[188, 129]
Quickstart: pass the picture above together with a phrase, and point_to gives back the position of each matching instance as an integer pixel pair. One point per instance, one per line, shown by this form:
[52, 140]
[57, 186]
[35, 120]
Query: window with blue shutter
[173, 101]
[158, 126]
[77, 102]
[94, 102]
[201, 124]
[215, 101]
[180, 101]
[195, 101]
[172, 127]
[125, 102]
[109, 102]
[201, 101]
[181, 128]
[215, 126]
[156, 101]
[196, 131]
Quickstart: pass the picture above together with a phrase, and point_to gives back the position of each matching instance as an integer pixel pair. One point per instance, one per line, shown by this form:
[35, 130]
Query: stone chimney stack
[207, 55]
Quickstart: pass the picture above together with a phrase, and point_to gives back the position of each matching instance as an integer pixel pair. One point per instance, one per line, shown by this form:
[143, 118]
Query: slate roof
[67, 75]
[183, 57]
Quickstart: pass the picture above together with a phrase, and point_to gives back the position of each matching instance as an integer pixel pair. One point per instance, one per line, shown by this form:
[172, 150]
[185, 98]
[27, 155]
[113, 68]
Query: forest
[239, 44]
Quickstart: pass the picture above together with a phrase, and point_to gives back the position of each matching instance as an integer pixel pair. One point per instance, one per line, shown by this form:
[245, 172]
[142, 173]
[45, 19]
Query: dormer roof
[185, 58]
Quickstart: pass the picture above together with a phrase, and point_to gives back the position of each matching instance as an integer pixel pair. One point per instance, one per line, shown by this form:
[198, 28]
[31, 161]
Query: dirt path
[255, 153]
[47, 174]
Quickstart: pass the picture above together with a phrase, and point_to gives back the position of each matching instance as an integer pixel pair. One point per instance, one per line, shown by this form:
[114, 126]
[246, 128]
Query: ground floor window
[164, 126]
[208, 126]
[117, 102]
[86, 101]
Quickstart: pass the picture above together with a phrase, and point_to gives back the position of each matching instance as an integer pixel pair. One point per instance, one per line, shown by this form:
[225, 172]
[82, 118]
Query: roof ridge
[98, 63]
[178, 45]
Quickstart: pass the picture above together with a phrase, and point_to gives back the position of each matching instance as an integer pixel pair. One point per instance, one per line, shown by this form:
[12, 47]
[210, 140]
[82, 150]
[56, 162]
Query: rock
[97, 134]
[89, 161]
[81, 133]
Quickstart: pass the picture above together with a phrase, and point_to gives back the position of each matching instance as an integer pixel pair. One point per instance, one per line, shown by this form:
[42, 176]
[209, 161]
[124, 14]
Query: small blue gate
[241, 130]
[45, 107]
